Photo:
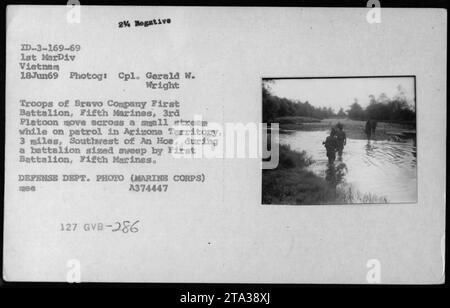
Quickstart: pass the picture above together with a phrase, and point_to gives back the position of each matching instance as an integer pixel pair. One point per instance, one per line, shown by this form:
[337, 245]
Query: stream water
[384, 168]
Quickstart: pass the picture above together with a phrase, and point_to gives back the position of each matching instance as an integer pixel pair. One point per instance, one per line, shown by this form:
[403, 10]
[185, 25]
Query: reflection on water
[335, 173]
[384, 168]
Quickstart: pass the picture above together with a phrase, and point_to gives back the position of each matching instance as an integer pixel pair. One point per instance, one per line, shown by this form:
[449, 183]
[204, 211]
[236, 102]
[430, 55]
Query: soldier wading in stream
[331, 145]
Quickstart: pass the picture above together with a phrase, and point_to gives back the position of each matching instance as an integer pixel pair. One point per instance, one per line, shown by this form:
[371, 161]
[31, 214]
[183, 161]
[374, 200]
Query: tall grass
[348, 194]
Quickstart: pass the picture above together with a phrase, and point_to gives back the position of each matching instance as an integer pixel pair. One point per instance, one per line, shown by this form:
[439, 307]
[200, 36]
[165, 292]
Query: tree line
[383, 108]
[275, 107]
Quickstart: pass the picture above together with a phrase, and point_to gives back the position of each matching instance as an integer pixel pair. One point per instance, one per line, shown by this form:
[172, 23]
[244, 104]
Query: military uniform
[331, 147]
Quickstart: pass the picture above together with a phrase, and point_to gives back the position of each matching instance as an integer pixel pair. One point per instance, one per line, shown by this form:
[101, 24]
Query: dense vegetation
[397, 109]
[291, 183]
[276, 107]
[383, 108]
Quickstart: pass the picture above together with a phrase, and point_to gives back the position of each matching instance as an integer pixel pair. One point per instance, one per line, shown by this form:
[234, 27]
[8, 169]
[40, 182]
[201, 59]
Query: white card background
[218, 231]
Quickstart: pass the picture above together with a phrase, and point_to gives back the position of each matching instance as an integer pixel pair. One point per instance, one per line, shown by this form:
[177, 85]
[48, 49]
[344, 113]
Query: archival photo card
[172, 144]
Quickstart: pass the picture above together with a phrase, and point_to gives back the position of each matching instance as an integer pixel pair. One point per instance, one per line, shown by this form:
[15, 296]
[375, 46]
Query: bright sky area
[337, 93]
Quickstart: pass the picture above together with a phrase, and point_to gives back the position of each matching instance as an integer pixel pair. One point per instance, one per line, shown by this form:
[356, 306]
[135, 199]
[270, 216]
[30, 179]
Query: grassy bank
[291, 183]
[353, 128]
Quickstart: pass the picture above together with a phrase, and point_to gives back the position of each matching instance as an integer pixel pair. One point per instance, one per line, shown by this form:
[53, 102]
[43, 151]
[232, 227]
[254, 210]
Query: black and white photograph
[342, 140]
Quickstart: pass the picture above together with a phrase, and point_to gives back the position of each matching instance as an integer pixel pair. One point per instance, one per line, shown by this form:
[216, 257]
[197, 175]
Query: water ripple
[385, 168]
